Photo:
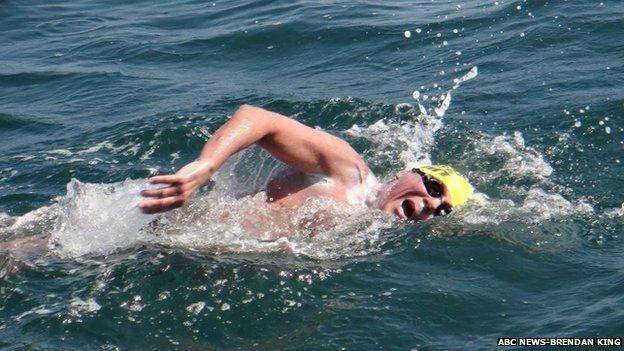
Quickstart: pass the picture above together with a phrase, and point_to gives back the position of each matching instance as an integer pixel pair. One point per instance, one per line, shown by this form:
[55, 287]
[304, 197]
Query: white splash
[536, 207]
[540, 205]
[474, 71]
[409, 143]
[408, 138]
[98, 218]
[520, 160]
[196, 308]
[78, 306]
[445, 102]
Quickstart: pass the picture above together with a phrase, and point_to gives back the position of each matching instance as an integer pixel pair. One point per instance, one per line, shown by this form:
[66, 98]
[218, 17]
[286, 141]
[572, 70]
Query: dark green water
[94, 94]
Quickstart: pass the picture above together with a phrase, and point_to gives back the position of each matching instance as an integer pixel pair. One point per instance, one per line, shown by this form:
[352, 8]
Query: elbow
[243, 112]
[248, 116]
[253, 113]
[245, 109]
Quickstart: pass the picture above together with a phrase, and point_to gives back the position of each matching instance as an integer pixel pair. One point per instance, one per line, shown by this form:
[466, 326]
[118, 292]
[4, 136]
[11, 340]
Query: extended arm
[293, 143]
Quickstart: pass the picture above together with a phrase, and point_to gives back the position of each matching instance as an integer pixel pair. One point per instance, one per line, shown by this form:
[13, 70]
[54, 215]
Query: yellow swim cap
[458, 187]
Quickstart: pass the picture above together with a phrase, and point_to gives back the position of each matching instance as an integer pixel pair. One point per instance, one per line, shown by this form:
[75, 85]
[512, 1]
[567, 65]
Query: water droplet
[407, 34]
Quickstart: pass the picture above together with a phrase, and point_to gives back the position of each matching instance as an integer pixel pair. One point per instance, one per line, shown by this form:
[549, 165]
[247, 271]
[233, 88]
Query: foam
[319, 228]
[519, 160]
[615, 213]
[98, 218]
[61, 152]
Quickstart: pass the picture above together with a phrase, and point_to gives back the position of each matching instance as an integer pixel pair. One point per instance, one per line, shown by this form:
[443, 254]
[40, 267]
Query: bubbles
[407, 34]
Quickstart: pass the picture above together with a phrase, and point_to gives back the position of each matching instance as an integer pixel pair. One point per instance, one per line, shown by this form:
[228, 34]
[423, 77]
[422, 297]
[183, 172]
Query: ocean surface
[524, 97]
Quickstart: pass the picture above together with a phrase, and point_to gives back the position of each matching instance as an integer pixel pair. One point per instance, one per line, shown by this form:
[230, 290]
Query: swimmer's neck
[377, 194]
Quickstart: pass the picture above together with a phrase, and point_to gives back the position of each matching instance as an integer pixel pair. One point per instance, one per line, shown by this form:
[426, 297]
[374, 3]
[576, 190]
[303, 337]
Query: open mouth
[408, 208]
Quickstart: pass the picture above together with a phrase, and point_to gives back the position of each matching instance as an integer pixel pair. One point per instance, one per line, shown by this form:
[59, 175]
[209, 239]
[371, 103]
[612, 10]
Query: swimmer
[321, 165]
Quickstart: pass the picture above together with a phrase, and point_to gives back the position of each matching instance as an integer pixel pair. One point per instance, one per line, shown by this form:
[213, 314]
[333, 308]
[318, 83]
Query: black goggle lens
[443, 210]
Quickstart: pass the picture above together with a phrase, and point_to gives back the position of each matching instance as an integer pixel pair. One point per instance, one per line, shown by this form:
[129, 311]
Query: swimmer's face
[416, 197]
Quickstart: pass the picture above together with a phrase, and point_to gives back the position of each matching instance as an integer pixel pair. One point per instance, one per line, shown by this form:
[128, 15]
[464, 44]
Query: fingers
[164, 192]
[161, 205]
[166, 179]
[174, 195]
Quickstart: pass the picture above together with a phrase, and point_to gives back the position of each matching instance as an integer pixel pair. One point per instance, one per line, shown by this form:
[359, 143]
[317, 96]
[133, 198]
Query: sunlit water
[523, 97]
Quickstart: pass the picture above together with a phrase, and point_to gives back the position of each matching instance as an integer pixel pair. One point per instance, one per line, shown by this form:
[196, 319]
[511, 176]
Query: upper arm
[308, 149]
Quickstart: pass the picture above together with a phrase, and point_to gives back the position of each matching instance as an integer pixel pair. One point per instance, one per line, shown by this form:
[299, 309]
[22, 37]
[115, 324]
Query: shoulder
[360, 186]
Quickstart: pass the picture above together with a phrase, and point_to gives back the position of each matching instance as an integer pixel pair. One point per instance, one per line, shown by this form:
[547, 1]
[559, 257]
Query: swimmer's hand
[180, 187]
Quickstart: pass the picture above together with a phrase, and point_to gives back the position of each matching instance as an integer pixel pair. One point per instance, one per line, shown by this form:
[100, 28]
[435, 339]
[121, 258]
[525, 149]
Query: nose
[431, 203]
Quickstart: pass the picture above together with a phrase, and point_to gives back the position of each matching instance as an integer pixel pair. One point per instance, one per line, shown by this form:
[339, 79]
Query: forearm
[247, 126]
[289, 141]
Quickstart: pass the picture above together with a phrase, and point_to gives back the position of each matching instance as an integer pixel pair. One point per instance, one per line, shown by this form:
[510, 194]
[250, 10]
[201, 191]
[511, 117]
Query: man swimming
[417, 194]
[321, 166]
